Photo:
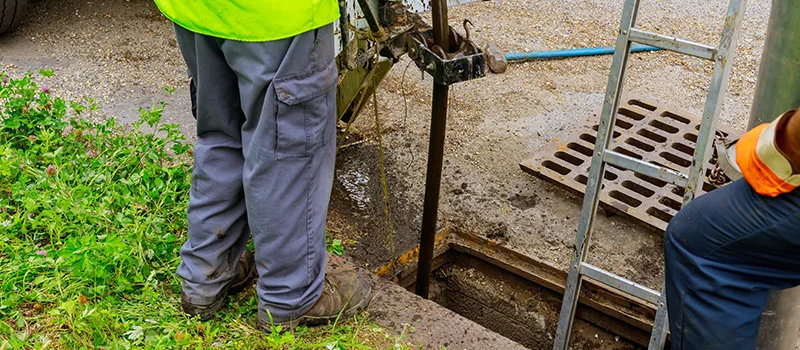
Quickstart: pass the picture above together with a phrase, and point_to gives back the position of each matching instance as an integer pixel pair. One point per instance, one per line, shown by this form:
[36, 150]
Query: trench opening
[520, 298]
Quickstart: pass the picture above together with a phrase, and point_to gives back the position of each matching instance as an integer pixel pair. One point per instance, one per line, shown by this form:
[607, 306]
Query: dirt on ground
[497, 121]
[123, 53]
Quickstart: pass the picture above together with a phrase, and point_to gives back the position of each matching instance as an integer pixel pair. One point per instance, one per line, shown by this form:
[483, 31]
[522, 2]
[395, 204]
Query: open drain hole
[640, 145]
[624, 198]
[586, 151]
[644, 191]
[663, 126]
[642, 104]
[675, 159]
[520, 297]
[663, 166]
[568, 158]
[659, 214]
[631, 114]
[652, 181]
[683, 148]
[588, 138]
[555, 167]
[608, 176]
[674, 116]
[651, 135]
[707, 187]
[690, 137]
[627, 152]
[725, 134]
[597, 127]
[623, 124]
[671, 203]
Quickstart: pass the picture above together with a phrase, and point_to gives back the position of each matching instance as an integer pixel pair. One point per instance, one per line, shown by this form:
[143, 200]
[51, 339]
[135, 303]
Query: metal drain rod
[433, 179]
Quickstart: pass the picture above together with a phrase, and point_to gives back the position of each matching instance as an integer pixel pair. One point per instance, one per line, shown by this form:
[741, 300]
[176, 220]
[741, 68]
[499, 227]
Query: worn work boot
[246, 274]
[343, 296]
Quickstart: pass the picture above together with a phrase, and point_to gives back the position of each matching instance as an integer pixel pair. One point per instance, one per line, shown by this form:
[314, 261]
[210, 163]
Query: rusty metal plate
[646, 130]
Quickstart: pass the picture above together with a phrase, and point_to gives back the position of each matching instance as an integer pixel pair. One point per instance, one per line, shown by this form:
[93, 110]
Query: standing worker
[727, 249]
[263, 161]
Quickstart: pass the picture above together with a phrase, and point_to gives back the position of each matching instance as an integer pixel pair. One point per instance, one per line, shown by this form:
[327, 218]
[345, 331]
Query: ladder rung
[654, 171]
[619, 283]
[673, 44]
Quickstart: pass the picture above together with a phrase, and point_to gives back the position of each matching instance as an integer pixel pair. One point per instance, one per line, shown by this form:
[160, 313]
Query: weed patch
[92, 218]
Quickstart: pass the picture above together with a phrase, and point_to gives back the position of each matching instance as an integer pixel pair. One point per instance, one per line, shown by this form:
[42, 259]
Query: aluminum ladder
[722, 57]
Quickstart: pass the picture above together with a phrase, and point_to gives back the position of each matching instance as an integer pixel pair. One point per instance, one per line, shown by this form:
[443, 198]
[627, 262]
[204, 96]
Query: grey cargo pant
[264, 162]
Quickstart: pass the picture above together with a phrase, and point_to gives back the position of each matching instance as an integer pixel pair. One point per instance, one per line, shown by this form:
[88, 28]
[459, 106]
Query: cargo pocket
[304, 111]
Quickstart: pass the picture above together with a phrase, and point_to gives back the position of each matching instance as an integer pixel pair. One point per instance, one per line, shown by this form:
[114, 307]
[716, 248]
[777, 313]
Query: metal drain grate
[645, 130]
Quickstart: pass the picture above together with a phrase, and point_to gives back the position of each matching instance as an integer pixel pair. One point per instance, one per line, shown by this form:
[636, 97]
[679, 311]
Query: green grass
[92, 217]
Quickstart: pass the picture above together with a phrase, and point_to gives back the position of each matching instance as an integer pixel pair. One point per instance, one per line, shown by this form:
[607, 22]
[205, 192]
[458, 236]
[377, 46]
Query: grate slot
[640, 145]
[555, 167]
[631, 114]
[569, 158]
[624, 198]
[623, 124]
[671, 203]
[583, 180]
[690, 137]
[659, 214]
[674, 116]
[639, 103]
[652, 136]
[644, 191]
[664, 126]
[588, 138]
[697, 128]
[683, 148]
[675, 159]
[651, 180]
[627, 152]
[586, 151]
[616, 133]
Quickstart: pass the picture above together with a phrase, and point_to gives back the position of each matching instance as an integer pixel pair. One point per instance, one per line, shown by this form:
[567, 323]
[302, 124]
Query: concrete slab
[423, 322]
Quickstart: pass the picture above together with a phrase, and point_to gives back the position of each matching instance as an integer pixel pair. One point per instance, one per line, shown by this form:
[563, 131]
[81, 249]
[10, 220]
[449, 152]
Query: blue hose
[520, 56]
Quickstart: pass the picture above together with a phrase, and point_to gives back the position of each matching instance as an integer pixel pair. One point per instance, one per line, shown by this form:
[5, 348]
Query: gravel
[123, 54]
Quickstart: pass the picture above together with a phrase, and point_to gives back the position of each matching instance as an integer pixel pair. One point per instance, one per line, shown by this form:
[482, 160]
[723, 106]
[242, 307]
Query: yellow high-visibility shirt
[250, 20]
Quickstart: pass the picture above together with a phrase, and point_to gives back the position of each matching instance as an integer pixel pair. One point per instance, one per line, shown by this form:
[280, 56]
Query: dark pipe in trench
[435, 154]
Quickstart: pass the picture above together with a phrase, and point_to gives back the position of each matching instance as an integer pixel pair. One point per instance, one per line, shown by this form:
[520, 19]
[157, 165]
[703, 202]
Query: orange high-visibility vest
[762, 164]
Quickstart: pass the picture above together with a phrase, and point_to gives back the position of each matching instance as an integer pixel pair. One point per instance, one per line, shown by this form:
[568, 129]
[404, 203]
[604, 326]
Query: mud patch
[516, 307]
[524, 202]
[358, 208]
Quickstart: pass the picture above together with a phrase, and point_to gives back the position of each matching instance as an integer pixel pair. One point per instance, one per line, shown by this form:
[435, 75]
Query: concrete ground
[123, 54]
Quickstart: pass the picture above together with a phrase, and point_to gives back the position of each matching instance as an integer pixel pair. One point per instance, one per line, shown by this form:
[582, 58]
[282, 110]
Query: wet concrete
[422, 322]
[358, 208]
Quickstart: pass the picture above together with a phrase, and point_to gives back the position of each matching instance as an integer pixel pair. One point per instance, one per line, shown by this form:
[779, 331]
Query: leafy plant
[92, 218]
[334, 246]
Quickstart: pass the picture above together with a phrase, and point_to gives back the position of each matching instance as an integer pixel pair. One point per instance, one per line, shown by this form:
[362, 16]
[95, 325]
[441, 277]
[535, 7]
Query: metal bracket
[445, 71]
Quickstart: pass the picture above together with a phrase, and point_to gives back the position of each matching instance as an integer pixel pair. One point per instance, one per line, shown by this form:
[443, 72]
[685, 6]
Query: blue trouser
[724, 252]
[264, 159]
